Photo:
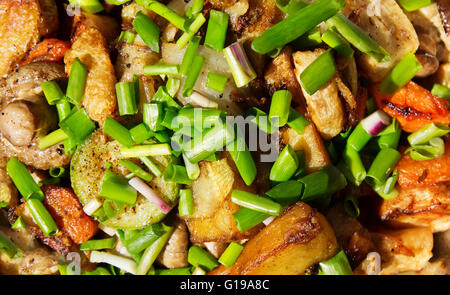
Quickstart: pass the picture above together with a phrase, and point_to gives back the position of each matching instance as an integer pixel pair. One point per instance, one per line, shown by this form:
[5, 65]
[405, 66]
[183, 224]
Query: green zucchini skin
[87, 168]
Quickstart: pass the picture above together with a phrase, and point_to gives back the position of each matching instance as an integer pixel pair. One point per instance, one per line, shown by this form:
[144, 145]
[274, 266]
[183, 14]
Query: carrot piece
[50, 50]
[63, 205]
[421, 173]
[413, 106]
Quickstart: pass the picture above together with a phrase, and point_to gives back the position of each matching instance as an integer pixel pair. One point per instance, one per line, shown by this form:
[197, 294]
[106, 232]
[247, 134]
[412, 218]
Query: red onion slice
[147, 192]
[376, 122]
[239, 64]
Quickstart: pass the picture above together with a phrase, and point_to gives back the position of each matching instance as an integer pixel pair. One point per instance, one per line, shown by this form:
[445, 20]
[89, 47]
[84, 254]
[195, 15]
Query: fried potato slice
[213, 219]
[412, 173]
[294, 241]
[99, 94]
[413, 106]
[324, 106]
[388, 25]
[421, 206]
[22, 24]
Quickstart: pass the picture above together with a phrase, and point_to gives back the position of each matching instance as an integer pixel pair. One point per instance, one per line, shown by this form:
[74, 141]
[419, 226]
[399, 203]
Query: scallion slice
[117, 131]
[411, 5]
[147, 30]
[193, 29]
[77, 126]
[255, 202]
[90, 6]
[285, 165]
[177, 174]
[243, 159]
[186, 203]
[241, 68]
[8, 247]
[216, 32]
[337, 43]
[77, 81]
[231, 254]
[151, 166]
[402, 73]
[216, 82]
[424, 134]
[52, 138]
[290, 6]
[140, 133]
[150, 150]
[165, 12]
[19, 223]
[351, 206]
[296, 121]
[441, 91]
[153, 115]
[199, 257]
[136, 170]
[383, 165]
[92, 245]
[246, 218]
[160, 69]
[192, 75]
[354, 163]
[116, 188]
[280, 107]
[52, 92]
[23, 180]
[42, 217]
[316, 186]
[318, 73]
[189, 55]
[337, 265]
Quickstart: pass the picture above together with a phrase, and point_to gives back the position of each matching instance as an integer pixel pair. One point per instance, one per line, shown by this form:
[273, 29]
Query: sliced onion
[198, 271]
[374, 263]
[376, 122]
[107, 230]
[269, 220]
[120, 247]
[126, 264]
[199, 100]
[242, 70]
[147, 192]
[92, 206]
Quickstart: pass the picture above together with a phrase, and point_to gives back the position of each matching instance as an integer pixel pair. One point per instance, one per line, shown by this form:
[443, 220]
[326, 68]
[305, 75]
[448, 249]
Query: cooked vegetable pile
[224, 137]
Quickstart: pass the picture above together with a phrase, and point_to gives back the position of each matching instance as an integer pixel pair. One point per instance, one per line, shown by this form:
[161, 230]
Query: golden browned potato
[422, 206]
[443, 75]
[108, 26]
[99, 94]
[311, 142]
[389, 26]
[401, 250]
[294, 241]
[212, 220]
[324, 106]
[22, 24]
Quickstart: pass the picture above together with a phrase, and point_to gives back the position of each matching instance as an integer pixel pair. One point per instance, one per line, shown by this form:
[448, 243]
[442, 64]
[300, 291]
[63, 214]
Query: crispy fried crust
[22, 23]
[413, 106]
[424, 206]
[68, 213]
[99, 94]
[298, 239]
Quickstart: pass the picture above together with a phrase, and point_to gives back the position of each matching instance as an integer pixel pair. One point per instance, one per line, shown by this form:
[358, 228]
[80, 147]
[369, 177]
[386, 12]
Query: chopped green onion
[163, 96]
[199, 148]
[296, 25]
[390, 139]
[151, 150]
[160, 69]
[192, 169]
[286, 193]
[385, 190]
[198, 118]
[240, 66]
[351, 206]
[336, 179]
[424, 134]
[165, 12]
[383, 165]
[192, 76]
[246, 218]
[19, 223]
[216, 82]
[52, 139]
[296, 121]
[116, 188]
[177, 174]
[411, 5]
[144, 238]
[147, 30]
[170, 115]
[290, 6]
[173, 85]
[153, 114]
[216, 32]
[151, 253]
[189, 55]
[151, 166]
[123, 263]
[337, 265]
[77, 81]
[390, 183]
[127, 37]
[357, 37]
[318, 73]
[402, 73]
[337, 43]
[8, 247]
[42, 217]
[181, 271]
[316, 185]
[285, 166]
[441, 91]
[199, 257]
[118, 132]
[353, 161]
[434, 149]
[92, 245]
[255, 202]
[52, 92]
[261, 119]
[301, 170]
[57, 171]
[186, 203]
[280, 107]
[243, 159]
[90, 6]
[140, 133]
[23, 180]
[197, 6]
[136, 170]
[77, 126]
[63, 109]
[311, 38]
[231, 253]
[193, 29]
[358, 138]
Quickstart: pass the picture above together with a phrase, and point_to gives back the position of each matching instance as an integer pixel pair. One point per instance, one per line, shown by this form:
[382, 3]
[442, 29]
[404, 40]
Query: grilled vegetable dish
[237, 137]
